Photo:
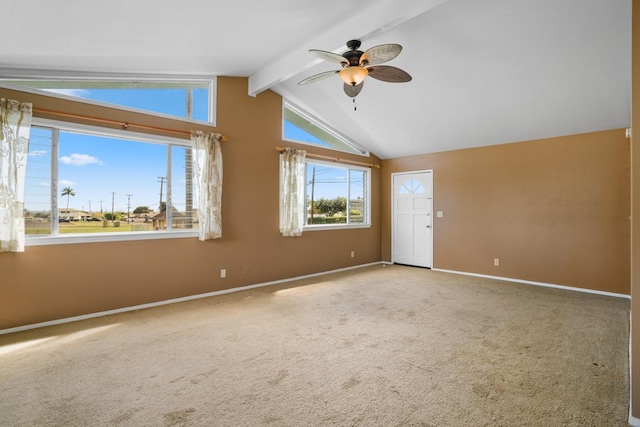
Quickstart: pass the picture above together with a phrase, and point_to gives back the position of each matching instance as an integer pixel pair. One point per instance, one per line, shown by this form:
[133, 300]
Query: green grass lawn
[87, 227]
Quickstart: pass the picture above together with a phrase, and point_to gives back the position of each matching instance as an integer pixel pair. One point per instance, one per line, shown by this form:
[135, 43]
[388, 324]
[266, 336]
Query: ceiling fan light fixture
[357, 65]
[353, 75]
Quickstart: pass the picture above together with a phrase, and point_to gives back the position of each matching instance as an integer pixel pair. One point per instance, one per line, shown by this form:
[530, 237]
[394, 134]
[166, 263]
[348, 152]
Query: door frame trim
[393, 213]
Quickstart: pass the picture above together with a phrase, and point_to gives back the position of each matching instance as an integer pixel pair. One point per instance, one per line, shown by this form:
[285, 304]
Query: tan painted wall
[54, 282]
[635, 210]
[553, 210]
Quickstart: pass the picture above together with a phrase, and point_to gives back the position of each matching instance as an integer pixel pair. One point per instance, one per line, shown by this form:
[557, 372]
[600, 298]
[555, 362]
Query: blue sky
[97, 167]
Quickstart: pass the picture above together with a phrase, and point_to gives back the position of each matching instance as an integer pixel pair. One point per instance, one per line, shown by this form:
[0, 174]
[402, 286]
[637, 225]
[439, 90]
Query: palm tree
[68, 191]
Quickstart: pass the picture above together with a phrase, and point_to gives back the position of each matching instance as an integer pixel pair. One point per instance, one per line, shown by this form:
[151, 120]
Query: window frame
[347, 167]
[56, 239]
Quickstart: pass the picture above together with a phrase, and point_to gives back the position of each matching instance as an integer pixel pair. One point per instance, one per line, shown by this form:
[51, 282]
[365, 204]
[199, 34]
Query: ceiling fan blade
[329, 56]
[380, 54]
[386, 73]
[351, 90]
[316, 77]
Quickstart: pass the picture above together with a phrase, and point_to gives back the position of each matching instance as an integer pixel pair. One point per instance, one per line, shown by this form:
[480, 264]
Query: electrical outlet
[353, 254]
[496, 262]
[223, 273]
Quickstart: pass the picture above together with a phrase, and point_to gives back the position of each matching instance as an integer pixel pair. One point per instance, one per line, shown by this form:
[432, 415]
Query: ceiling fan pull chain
[355, 107]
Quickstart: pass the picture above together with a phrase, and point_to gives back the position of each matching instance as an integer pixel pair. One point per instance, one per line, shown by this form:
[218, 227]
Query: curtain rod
[335, 159]
[125, 125]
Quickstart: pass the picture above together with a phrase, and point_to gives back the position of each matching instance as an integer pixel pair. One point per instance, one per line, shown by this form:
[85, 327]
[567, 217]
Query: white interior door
[412, 231]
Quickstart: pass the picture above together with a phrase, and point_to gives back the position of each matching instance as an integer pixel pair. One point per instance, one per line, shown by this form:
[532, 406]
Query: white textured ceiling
[484, 71]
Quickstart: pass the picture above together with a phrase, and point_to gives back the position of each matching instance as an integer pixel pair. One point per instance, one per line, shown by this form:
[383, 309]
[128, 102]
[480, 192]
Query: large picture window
[337, 195]
[88, 181]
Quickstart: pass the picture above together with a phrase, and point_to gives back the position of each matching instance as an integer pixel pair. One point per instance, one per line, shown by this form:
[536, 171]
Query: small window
[299, 126]
[337, 195]
[83, 181]
[412, 186]
[179, 98]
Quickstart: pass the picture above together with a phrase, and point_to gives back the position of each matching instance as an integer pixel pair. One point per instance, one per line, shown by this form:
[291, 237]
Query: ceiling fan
[357, 65]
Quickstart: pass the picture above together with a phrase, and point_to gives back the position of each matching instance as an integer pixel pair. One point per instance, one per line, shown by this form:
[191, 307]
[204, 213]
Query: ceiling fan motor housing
[353, 54]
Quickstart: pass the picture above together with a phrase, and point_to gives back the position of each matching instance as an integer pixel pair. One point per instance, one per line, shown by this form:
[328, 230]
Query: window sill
[322, 227]
[66, 239]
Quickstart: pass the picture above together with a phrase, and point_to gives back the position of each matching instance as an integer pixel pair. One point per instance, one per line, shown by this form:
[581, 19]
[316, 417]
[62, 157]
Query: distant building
[73, 214]
[179, 220]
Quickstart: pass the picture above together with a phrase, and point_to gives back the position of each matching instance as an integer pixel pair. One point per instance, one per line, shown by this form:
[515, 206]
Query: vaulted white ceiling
[484, 71]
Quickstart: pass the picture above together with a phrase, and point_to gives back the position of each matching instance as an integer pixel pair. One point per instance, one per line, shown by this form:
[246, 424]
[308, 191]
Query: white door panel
[404, 235]
[404, 205]
[420, 205]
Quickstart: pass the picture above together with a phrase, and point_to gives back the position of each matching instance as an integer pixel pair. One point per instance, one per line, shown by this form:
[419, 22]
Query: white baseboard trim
[546, 285]
[633, 421]
[174, 300]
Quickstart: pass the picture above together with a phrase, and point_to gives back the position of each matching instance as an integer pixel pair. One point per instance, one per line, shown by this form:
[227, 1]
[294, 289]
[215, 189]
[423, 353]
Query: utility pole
[101, 206]
[128, 205]
[161, 180]
[113, 215]
[89, 207]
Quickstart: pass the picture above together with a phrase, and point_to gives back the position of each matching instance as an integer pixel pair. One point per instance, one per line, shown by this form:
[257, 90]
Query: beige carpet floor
[377, 346]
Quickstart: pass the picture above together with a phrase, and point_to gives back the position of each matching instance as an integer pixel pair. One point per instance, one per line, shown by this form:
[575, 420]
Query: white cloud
[77, 159]
[37, 153]
[65, 183]
[45, 184]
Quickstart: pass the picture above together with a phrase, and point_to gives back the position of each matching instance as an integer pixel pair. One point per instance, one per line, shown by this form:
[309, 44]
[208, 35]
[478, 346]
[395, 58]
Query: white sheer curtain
[15, 121]
[292, 179]
[207, 167]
